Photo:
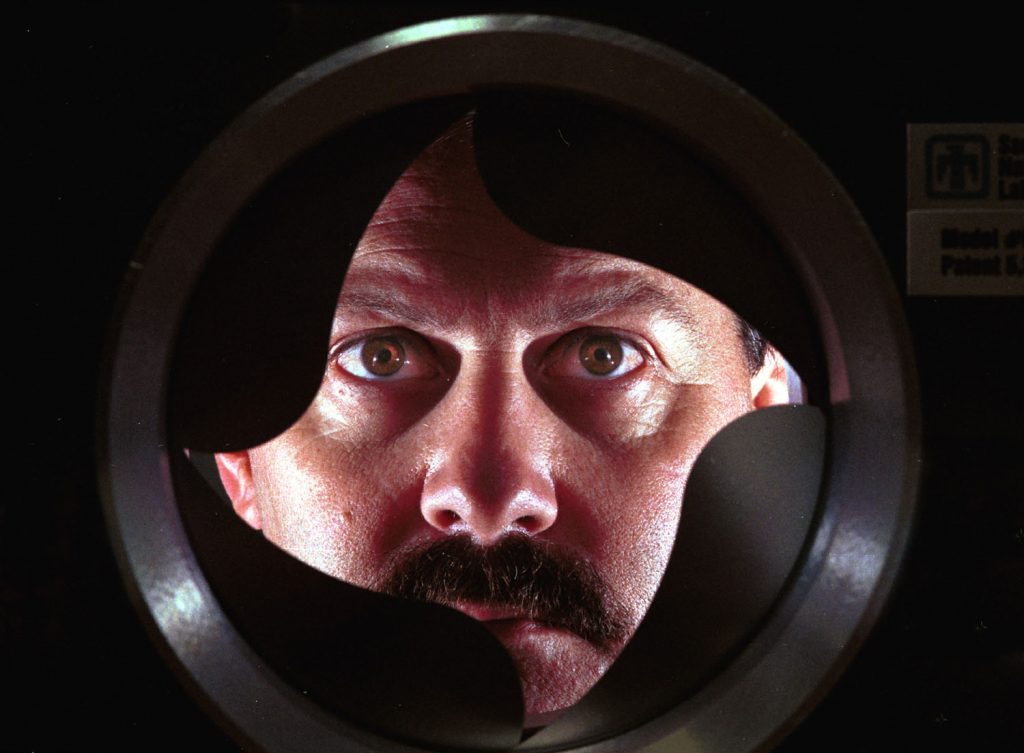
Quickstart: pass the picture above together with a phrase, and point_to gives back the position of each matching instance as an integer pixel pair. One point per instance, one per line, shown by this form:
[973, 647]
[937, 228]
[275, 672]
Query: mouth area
[552, 611]
[512, 625]
[493, 612]
[520, 579]
[496, 616]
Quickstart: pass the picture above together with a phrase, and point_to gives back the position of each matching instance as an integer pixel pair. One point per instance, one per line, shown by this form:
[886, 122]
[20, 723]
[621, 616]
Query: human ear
[770, 385]
[236, 476]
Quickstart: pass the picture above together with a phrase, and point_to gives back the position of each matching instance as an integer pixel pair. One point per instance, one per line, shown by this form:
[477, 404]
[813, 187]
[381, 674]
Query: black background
[111, 105]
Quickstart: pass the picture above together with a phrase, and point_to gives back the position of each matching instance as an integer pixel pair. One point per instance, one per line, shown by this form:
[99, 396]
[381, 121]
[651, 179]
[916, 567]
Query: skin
[492, 424]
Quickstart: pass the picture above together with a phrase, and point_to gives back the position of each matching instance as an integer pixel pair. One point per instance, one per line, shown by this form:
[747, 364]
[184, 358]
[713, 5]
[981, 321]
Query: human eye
[387, 356]
[589, 354]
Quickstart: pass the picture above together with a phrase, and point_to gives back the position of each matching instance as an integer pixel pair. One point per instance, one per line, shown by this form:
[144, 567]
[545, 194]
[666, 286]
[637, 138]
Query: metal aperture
[870, 478]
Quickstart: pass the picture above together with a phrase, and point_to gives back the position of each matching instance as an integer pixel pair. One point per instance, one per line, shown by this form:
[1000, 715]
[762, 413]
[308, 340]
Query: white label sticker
[965, 209]
[965, 253]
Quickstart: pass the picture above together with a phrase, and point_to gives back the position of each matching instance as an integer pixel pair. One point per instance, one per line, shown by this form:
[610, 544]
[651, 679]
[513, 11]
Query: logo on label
[957, 166]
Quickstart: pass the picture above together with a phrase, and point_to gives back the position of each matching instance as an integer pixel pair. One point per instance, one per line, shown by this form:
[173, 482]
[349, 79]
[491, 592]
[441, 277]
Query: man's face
[526, 411]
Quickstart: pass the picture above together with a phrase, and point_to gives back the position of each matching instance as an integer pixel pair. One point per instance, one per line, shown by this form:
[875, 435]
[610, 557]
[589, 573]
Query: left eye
[594, 356]
[385, 357]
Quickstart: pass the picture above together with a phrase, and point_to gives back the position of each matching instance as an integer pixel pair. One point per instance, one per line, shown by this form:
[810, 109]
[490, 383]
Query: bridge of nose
[493, 470]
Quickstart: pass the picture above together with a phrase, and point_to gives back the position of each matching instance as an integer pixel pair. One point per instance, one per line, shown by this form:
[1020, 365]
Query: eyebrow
[598, 301]
[390, 307]
[622, 295]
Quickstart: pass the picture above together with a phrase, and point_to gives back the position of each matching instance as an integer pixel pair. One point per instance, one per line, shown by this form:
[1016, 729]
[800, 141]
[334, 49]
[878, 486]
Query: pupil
[383, 356]
[600, 355]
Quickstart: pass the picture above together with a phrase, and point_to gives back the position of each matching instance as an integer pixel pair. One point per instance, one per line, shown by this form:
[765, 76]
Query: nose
[492, 471]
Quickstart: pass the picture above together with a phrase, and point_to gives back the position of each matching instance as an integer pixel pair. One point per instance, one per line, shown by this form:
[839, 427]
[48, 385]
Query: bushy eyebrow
[391, 307]
[597, 300]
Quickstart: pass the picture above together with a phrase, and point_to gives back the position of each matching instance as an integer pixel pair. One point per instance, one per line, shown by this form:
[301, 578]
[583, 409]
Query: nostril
[448, 517]
[528, 523]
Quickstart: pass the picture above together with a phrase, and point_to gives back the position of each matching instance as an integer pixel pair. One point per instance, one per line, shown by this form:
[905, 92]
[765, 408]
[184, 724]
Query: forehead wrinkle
[477, 254]
[425, 192]
[612, 291]
[387, 259]
[416, 214]
[399, 291]
[417, 289]
[390, 306]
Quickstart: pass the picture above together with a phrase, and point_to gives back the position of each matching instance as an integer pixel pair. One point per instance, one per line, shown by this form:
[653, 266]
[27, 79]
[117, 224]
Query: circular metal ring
[871, 476]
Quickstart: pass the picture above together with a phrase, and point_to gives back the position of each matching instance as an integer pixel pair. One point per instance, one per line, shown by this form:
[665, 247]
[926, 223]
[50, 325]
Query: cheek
[361, 415]
[328, 492]
[621, 510]
[613, 414]
[623, 489]
[643, 410]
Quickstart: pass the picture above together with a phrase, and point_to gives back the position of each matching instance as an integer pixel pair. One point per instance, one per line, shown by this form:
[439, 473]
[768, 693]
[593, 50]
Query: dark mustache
[531, 577]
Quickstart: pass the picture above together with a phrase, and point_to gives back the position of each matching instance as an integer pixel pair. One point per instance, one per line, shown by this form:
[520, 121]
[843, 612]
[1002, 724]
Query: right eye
[387, 357]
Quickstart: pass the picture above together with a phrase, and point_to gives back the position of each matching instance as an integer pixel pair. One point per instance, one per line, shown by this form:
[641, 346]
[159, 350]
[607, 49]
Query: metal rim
[871, 480]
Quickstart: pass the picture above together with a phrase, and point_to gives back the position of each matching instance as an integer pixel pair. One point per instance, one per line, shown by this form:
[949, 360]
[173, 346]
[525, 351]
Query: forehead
[438, 235]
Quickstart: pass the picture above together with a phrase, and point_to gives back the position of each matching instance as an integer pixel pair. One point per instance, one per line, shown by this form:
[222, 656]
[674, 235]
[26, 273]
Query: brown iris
[600, 354]
[383, 356]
